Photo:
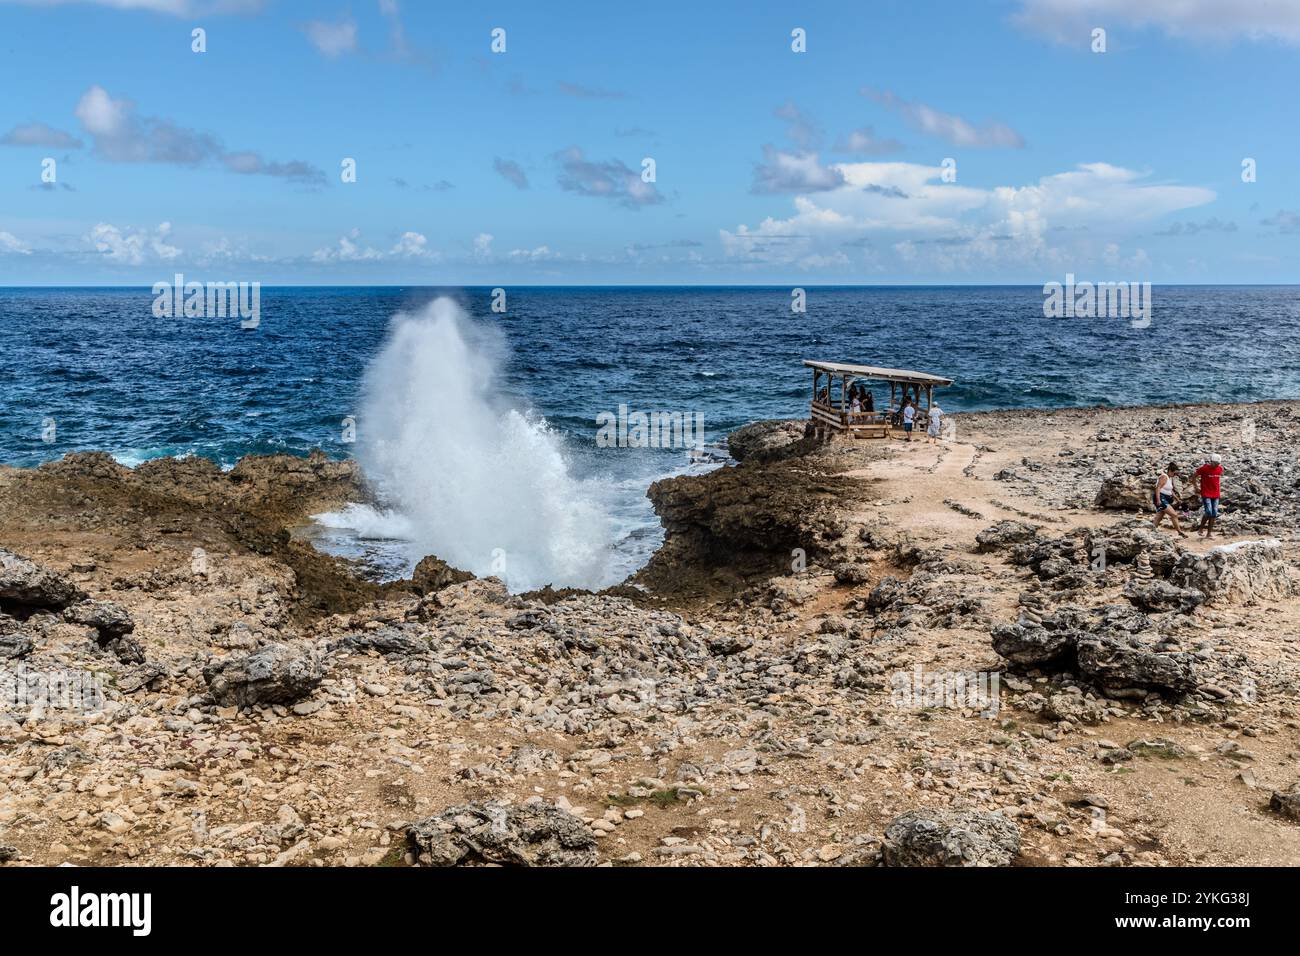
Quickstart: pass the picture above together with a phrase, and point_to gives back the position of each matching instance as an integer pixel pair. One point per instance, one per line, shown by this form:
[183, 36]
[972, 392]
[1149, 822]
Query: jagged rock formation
[951, 838]
[535, 834]
[1239, 573]
[275, 674]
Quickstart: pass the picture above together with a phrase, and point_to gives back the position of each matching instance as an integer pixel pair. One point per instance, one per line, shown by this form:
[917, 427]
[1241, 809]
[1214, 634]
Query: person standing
[909, 418]
[1166, 494]
[1209, 473]
[936, 424]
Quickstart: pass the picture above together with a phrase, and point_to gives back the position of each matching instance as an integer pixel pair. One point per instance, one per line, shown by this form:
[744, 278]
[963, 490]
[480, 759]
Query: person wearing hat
[1209, 473]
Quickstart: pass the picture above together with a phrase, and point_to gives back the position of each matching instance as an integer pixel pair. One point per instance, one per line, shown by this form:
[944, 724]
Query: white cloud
[864, 142]
[412, 245]
[332, 39]
[947, 126]
[907, 208]
[12, 245]
[605, 179]
[39, 134]
[176, 8]
[121, 135]
[782, 172]
[540, 254]
[349, 248]
[100, 114]
[1071, 21]
[133, 248]
[483, 245]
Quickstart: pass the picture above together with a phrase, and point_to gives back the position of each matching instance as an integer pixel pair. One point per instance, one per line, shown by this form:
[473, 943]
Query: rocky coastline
[791, 680]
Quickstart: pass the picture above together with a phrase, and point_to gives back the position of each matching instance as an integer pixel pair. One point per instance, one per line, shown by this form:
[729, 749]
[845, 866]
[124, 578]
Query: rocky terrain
[861, 653]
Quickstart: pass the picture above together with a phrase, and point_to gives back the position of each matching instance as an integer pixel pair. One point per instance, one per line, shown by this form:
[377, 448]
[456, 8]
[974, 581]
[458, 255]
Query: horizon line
[660, 285]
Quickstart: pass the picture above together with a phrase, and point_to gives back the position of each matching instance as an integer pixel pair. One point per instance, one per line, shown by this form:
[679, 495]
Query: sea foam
[464, 475]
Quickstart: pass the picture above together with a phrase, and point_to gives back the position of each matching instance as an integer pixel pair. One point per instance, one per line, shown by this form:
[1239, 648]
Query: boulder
[274, 674]
[27, 585]
[951, 838]
[1286, 804]
[1031, 645]
[535, 834]
[1238, 573]
[109, 618]
[1004, 534]
[14, 640]
[1119, 662]
[1157, 595]
[852, 573]
[402, 640]
[724, 645]
[434, 574]
[766, 438]
[113, 627]
[1124, 493]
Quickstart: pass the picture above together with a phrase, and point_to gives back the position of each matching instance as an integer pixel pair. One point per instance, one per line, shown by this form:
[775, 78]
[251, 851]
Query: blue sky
[771, 166]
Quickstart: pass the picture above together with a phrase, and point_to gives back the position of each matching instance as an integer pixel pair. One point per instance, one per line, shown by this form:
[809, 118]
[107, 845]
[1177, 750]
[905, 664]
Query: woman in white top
[1166, 493]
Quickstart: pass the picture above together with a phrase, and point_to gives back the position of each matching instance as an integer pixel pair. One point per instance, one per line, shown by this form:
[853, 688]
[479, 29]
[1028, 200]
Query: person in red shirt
[1209, 473]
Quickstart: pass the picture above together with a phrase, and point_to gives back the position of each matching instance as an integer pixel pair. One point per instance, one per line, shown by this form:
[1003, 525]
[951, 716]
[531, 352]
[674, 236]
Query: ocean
[493, 417]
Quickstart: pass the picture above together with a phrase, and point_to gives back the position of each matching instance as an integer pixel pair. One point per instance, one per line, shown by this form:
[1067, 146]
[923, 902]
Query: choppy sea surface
[92, 368]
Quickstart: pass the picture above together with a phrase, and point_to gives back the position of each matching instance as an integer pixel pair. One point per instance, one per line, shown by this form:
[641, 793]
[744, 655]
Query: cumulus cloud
[38, 134]
[906, 207]
[511, 171]
[1071, 21]
[119, 134]
[350, 248]
[133, 247]
[539, 254]
[947, 126]
[783, 172]
[609, 179]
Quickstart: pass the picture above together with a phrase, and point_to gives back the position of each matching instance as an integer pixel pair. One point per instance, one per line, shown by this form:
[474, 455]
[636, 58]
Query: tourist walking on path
[936, 424]
[1209, 473]
[1166, 494]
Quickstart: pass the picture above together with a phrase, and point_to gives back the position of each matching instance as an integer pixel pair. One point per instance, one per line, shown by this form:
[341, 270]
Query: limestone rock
[27, 585]
[275, 674]
[1238, 573]
[1004, 534]
[535, 834]
[1157, 595]
[951, 838]
[1119, 662]
[434, 574]
[1124, 493]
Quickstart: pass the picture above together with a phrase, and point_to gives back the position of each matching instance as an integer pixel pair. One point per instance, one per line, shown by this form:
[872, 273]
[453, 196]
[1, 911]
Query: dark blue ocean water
[113, 377]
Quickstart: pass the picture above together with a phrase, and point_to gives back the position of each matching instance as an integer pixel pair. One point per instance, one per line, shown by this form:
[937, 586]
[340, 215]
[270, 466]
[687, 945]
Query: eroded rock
[934, 837]
[275, 674]
[535, 834]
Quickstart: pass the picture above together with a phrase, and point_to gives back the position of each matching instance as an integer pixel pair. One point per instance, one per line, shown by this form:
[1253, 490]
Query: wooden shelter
[831, 411]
